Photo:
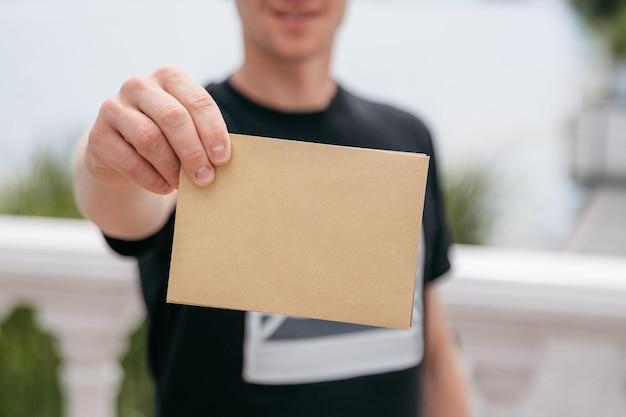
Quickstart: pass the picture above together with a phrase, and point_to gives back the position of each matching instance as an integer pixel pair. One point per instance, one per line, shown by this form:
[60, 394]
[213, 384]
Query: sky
[498, 82]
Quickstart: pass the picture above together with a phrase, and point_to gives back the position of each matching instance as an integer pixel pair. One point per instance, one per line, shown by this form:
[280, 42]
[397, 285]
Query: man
[227, 363]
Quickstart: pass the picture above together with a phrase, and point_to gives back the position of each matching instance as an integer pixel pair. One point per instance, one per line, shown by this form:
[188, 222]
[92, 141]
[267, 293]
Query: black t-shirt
[212, 362]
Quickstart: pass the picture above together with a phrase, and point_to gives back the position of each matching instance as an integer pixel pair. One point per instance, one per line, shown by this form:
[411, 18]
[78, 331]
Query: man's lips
[295, 17]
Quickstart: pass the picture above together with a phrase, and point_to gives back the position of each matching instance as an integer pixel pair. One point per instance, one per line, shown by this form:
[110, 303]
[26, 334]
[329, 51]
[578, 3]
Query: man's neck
[304, 86]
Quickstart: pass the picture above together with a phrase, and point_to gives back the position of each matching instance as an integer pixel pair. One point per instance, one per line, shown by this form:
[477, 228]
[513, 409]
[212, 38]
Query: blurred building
[599, 145]
[598, 160]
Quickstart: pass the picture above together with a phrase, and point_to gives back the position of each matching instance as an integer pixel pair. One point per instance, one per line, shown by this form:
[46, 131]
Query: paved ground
[601, 227]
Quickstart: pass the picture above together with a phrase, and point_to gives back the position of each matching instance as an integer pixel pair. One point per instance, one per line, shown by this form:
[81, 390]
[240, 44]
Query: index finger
[205, 113]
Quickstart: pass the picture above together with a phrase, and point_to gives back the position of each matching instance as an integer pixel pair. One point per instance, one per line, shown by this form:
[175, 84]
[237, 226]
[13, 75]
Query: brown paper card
[303, 229]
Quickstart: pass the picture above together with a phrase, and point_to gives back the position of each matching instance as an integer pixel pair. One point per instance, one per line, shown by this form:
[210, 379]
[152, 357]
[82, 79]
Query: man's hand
[126, 170]
[154, 125]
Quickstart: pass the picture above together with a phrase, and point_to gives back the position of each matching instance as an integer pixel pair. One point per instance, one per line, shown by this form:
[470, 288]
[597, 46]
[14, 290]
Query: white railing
[541, 334]
[83, 295]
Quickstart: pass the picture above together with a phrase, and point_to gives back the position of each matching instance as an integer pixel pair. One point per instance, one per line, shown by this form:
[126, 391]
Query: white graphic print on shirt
[289, 350]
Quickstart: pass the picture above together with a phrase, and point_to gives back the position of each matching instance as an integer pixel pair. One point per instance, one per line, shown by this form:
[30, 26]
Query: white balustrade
[541, 334]
[84, 295]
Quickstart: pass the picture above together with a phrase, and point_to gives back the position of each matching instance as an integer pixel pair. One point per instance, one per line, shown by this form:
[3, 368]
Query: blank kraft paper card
[303, 229]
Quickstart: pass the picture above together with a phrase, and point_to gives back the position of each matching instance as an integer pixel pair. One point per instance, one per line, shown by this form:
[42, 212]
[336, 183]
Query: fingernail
[204, 175]
[219, 153]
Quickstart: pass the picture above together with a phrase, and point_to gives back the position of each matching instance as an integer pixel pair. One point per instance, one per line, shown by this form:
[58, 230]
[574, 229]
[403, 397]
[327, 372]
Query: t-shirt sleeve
[441, 241]
[435, 221]
[136, 248]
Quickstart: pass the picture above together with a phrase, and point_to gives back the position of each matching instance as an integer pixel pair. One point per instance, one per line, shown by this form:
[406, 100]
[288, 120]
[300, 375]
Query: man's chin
[297, 52]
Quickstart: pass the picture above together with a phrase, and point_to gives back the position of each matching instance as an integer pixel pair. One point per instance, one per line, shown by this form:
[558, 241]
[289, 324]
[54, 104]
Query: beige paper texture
[303, 229]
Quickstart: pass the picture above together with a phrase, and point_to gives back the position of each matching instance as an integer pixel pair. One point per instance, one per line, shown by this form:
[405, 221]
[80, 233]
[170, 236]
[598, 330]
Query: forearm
[444, 389]
[120, 209]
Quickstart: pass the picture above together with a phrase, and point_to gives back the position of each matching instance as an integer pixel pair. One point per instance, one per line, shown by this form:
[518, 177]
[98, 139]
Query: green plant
[468, 194]
[137, 394]
[28, 363]
[28, 360]
[595, 10]
[43, 189]
[608, 19]
[616, 33]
